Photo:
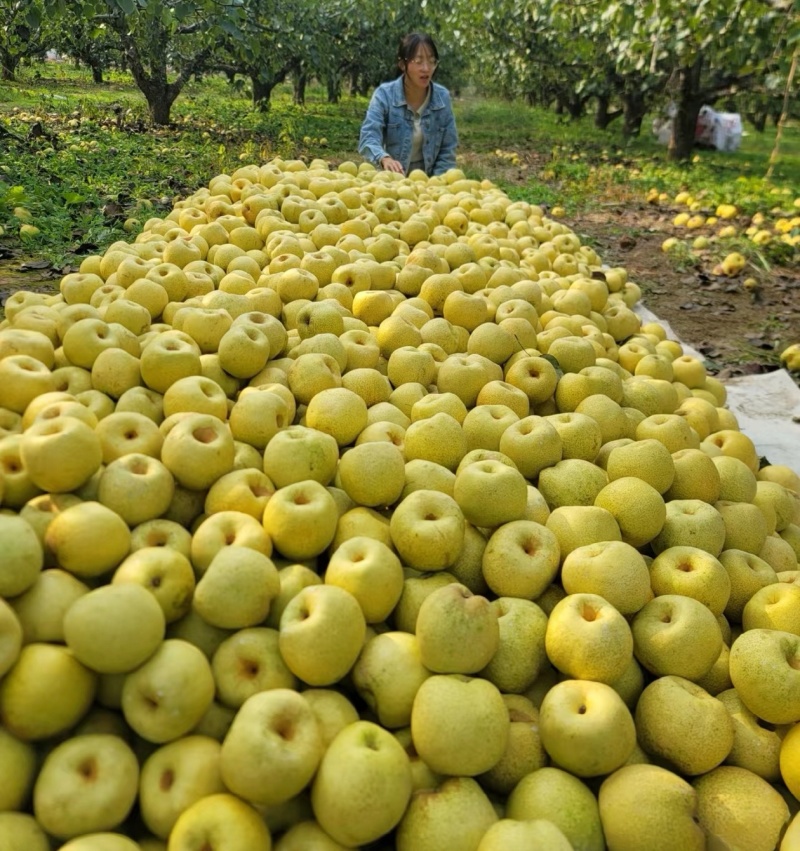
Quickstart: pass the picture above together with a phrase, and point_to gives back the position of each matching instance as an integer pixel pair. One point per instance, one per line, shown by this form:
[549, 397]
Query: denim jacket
[389, 125]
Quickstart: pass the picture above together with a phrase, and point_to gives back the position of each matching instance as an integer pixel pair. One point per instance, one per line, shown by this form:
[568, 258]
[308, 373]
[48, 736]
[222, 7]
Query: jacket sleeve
[370, 140]
[446, 157]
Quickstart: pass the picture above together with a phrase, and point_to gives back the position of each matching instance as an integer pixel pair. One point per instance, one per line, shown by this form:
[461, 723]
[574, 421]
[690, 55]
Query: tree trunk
[299, 88]
[159, 101]
[601, 113]
[334, 86]
[575, 106]
[634, 108]
[689, 101]
[758, 120]
[8, 66]
[262, 92]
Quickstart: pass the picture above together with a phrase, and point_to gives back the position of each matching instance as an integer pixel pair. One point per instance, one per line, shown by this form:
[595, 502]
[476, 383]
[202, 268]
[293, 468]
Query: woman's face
[421, 67]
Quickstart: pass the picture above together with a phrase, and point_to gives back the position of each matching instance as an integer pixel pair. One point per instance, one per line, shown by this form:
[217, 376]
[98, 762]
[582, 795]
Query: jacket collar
[399, 95]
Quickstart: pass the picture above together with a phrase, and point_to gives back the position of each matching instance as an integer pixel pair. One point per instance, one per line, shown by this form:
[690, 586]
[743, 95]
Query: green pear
[755, 747]
[745, 526]
[200, 826]
[166, 573]
[362, 786]
[247, 662]
[216, 722]
[468, 567]
[586, 728]
[455, 815]
[114, 628]
[332, 710]
[630, 685]
[167, 696]
[19, 763]
[676, 635]
[665, 808]
[293, 578]
[312, 617]
[490, 493]
[748, 573]
[99, 719]
[691, 523]
[10, 637]
[459, 724]
[580, 525]
[371, 572]
[765, 671]
[791, 838]
[174, 777]
[563, 799]
[42, 607]
[422, 777]
[534, 835]
[587, 638]
[427, 529]
[521, 653]
[27, 708]
[21, 832]
[741, 808]
[612, 569]
[521, 559]
[102, 842]
[23, 556]
[272, 749]
[307, 836]
[667, 708]
[572, 481]
[192, 628]
[457, 631]
[388, 674]
[718, 678]
[524, 752]
[691, 572]
[86, 784]
[237, 589]
[416, 587]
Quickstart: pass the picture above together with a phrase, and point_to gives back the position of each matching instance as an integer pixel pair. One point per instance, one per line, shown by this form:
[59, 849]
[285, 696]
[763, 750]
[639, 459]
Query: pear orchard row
[343, 509]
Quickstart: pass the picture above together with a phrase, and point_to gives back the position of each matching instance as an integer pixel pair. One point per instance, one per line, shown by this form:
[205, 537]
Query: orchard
[341, 509]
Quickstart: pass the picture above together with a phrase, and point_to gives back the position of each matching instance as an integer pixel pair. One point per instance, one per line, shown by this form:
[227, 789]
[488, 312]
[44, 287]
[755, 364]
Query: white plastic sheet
[766, 406]
[720, 130]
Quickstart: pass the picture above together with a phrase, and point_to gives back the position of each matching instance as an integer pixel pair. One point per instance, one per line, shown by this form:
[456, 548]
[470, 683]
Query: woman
[409, 123]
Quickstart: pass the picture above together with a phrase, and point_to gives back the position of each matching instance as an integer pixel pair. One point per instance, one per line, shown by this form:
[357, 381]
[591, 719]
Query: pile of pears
[345, 509]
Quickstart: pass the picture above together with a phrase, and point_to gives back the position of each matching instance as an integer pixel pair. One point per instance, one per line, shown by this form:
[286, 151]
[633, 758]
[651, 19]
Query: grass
[99, 163]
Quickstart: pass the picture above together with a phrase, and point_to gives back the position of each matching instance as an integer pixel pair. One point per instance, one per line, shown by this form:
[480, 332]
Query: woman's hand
[388, 164]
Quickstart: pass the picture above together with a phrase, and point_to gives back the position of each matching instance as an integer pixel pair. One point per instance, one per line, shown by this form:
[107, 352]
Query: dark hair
[410, 44]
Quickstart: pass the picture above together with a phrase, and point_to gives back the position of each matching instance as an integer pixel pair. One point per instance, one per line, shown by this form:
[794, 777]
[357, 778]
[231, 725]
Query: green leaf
[33, 17]
[127, 6]
[73, 198]
[229, 27]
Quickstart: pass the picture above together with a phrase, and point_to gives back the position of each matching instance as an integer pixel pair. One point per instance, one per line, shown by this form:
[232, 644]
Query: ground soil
[738, 329]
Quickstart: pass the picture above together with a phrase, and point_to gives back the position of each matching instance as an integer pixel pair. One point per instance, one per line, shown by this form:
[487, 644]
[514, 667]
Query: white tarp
[720, 130]
[766, 406]
[768, 410]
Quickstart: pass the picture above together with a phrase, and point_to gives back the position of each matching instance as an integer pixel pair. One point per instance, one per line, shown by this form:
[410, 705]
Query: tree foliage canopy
[628, 56]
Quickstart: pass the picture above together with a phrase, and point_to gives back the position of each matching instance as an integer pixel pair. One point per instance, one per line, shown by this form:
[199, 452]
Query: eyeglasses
[420, 61]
